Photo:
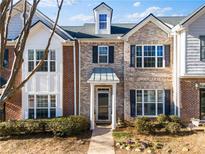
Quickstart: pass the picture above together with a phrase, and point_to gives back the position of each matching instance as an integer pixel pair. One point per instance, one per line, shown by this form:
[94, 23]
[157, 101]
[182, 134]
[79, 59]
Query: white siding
[43, 82]
[16, 24]
[193, 64]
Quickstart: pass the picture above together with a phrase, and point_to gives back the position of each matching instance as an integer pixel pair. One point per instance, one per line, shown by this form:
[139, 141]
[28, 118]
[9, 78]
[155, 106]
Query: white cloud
[155, 10]
[93, 4]
[136, 4]
[82, 17]
[53, 3]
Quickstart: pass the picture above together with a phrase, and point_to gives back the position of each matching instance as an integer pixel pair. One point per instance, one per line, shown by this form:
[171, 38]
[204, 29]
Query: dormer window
[103, 21]
[103, 18]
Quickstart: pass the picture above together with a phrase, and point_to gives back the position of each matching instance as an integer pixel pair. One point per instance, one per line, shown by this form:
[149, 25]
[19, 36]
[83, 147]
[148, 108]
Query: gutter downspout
[74, 61]
[79, 74]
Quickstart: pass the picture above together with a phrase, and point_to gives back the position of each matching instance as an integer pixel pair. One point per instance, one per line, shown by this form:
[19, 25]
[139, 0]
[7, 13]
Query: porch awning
[103, 75]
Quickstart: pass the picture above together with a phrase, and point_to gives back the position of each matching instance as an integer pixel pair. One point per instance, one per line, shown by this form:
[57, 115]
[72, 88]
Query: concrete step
[198, 122]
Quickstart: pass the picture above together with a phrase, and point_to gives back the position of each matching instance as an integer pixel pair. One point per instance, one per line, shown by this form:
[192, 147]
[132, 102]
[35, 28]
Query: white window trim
[103, 21]
[35, 104]
[48, 60]
[103, 54]
[163, 63]
[156, 103]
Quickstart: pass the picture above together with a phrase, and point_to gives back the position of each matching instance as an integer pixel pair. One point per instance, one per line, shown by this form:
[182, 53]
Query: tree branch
[19, 49]
[12, 91]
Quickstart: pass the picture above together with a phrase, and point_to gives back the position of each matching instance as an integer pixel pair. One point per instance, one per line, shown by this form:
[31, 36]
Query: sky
[78, 12]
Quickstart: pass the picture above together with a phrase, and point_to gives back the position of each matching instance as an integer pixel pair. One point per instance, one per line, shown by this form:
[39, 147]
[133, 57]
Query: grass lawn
[186, 142]
[45, 143]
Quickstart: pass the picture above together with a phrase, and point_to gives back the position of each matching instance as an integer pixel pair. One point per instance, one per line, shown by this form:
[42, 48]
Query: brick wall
[68, 81]
[190, 98]
[13, 106]
[139, 78]
[86, 71]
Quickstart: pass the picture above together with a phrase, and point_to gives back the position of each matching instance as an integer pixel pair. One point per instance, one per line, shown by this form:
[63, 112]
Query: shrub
[22, 127]
[68, 125]
[174, 118]
[173, 127]
[163, 119]
[144, 125]
[35, 126]
[58, 126]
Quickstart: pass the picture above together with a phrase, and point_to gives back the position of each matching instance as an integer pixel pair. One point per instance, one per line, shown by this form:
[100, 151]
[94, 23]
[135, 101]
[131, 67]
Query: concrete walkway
[101, 141]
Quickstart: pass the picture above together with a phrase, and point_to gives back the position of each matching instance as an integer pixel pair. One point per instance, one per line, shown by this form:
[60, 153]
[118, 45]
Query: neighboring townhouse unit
[109, 71]
[189, 65]
[53, 90]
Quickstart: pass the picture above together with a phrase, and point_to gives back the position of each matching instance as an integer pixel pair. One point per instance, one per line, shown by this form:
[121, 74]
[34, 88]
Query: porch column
[92, 118]
[113, 106]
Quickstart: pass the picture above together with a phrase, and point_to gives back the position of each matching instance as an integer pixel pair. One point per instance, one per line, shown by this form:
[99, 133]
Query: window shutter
[111, 54]
[132, 56]
[167, 55]
[95, 54]
[167, 102]
[132, 103]
[6, 58]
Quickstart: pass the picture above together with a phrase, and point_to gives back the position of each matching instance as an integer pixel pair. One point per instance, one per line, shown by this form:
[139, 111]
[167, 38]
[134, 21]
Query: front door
[202, 104]
[103, 110]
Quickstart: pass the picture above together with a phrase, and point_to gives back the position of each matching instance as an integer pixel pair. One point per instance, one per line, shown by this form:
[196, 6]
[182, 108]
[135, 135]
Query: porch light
[196, 85]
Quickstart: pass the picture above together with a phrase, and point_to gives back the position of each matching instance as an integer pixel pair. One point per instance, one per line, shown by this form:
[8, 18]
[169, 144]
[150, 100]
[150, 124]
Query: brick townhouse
[109, 71]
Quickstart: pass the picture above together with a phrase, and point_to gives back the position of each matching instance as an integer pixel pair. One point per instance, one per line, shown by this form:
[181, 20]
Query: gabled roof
[48, 22]
[152, 18]
[193, 14]
[103, 3]
[49, 27]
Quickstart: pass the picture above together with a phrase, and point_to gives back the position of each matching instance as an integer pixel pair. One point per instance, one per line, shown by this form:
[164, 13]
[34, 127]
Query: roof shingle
[117, 29]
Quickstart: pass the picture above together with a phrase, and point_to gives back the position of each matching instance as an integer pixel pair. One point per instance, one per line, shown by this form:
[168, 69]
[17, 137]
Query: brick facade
[190, 98]
[86, 71]
[68, 81]
[144, 78]
[13, 107]
[130, 77]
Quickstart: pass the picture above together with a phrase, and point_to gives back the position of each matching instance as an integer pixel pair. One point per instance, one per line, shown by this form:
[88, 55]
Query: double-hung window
[35, 56]
[52, 61]
[149, 102]
[103, 54]
[149, 56]
[39, 56]
[31, 60]
[202, 46]
[41, 106]
[103, 21]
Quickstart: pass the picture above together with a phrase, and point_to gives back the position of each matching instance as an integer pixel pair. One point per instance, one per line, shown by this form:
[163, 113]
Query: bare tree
[6, 8]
